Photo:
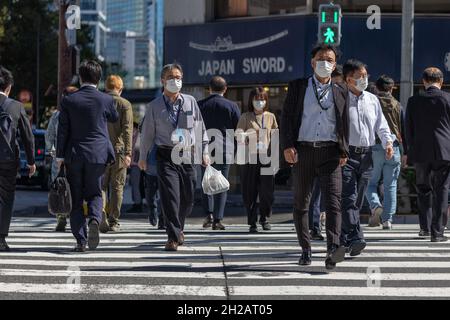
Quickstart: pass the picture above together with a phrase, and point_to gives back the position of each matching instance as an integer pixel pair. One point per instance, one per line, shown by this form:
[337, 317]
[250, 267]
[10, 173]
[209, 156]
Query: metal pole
[38, 70]
[407, 80]
[65, 53]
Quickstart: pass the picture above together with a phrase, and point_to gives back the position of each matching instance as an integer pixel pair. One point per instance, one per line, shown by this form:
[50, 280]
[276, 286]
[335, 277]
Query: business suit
[9, 169]
[221, 114]
[428, 139]
[322, 162]
[84, 144]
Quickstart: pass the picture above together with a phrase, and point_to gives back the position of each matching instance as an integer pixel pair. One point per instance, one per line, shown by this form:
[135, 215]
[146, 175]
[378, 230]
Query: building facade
[268, 42]
[94, 15]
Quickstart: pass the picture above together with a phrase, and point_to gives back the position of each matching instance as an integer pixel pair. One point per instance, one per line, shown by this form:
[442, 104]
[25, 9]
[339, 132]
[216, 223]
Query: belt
[360, 150]
[318, 144]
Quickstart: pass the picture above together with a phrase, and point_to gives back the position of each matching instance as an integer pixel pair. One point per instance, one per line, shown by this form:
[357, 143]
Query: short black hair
[372, 88]
[433, 75]
[258, 92]
[351, 66]
[218, 84]
[385, 83]
[90, 72]
[324, 47]
[169, 67]
[6, 78]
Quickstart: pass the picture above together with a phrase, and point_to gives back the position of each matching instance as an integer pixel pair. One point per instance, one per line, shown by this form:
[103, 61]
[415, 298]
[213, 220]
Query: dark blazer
[219, 113]
[291, 119]
[22, 127]
[428, 126]
[82, 131]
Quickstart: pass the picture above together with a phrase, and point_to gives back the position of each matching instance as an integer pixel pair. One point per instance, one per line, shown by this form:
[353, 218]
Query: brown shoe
[171, 245]
[181, 239]
[218, 226]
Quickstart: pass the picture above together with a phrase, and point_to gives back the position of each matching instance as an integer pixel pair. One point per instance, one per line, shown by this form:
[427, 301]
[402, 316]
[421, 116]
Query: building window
[244, 8]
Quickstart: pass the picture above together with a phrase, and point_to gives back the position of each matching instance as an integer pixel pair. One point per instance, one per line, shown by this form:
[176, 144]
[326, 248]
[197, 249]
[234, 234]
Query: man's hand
[290, 155]
[404, 161]
[206, 160]
[32, 169]
[142, 165]
[127, 161]
[389, 152]
[343, 162]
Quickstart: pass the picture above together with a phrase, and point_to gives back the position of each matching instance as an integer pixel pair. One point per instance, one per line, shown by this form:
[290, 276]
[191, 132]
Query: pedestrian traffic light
[330, 17]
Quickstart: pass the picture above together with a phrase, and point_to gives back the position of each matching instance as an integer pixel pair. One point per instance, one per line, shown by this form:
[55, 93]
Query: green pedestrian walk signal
[330, 18]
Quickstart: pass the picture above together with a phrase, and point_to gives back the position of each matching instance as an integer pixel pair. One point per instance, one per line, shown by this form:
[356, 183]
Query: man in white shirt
[366, 122]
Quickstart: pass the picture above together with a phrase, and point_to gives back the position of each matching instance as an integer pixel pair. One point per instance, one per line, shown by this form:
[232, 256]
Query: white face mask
[174, 85]
[259, 105]
[362, 84]
[324, 69]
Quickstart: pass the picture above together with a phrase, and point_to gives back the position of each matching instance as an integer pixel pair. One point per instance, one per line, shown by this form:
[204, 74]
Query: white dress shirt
[367, 121]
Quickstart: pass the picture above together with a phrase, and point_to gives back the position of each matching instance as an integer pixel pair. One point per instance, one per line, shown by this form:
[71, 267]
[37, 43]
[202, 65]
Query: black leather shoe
[266, 226]
[305, 259]
[357, 247]
[439, 239]
[334, 256]
[317, 236]
[218, 226]
[208, 222]
[93, 235]
[4, 246]
[80, 248]
[424, 234]
[253, 229]
[153, 220]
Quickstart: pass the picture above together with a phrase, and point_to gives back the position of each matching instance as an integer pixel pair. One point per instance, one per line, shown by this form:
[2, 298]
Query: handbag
[59, 197]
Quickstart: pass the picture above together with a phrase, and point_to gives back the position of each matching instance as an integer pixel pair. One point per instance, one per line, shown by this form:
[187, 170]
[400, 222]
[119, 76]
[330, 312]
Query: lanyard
[320, 98]
[170, 110]
[262, 124]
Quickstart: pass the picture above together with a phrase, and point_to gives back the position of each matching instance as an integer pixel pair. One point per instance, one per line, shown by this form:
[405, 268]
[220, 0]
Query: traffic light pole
[407, 79]
[65, 58]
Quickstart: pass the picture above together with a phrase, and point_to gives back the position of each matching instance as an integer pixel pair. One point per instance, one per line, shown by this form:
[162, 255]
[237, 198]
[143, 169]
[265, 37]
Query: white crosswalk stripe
[229, 264]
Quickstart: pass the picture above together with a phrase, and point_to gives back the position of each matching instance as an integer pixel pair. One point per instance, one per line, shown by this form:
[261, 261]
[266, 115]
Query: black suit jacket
[221, 114]
[428, 126]
[82, 130]
[291, 119]
[22, 127]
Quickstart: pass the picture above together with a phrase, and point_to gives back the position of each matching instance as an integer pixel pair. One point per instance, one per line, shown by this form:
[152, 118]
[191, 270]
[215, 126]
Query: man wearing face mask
[428, 139]
[314, 137]
[366, 123]
[170, 121]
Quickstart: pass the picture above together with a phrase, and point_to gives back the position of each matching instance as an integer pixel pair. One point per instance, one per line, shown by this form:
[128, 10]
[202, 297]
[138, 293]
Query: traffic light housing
[330, 18]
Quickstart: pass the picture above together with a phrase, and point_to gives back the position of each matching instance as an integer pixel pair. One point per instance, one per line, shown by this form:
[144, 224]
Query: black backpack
[7, 153]
[59, 197]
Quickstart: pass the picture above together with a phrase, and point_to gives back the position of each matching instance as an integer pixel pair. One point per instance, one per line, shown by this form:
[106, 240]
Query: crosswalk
[217, 265]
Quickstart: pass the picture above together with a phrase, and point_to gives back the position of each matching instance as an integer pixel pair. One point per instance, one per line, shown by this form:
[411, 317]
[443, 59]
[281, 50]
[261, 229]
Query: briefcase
[59, 197]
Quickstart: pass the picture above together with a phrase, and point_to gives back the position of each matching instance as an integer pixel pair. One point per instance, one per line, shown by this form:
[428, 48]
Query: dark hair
[372, 88]
[338, 72]
[258, 92]
[90, 72]
[218, 84]
[325, 47]
[433, 75]
[169, 67]
[385, 83]
[6, 78]
[351, 66]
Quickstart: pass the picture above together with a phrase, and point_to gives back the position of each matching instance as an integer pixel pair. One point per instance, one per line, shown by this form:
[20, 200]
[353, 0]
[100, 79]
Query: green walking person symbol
[329, 36]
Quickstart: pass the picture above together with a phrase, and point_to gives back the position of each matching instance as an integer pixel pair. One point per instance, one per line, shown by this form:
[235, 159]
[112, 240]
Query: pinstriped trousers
[322, 163]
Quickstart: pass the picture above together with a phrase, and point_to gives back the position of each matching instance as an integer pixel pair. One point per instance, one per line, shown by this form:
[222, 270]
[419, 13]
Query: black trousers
[176, 187]
[255, 184]
[7, 194]
[324, 164]
[355, 181]
[86, 184]
[433, 181]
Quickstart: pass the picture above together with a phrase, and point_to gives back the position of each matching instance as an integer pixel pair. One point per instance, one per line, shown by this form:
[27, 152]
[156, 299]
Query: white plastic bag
[214, 182]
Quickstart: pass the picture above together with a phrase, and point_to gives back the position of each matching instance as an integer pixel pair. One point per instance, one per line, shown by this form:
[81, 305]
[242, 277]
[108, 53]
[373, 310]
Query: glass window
[243, 8]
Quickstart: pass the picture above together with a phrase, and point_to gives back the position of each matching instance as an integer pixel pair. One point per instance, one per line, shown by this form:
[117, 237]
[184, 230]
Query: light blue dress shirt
[318, 125]
[367, 121]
